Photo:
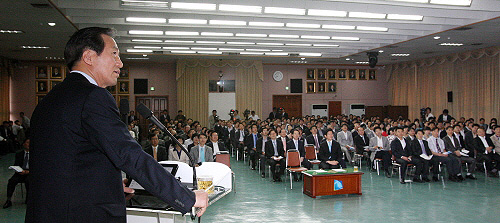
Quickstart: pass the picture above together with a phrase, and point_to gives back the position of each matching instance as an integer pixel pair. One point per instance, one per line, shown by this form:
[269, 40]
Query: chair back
[223, 158]
[310, 153]
[292, 158]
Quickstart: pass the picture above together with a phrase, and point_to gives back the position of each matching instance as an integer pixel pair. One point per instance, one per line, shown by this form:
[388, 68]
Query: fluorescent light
[146, 20]
[264, 50]
[452, 2]
[284, 36]
[227, 23]
[241, 43]
[271, 44]
[285, 11]
[310, 54]
[321, 12]
[147, 47]
[202, 48]
[250, 35]
[367, 15]
[230, 49]
[298, 44]
[276, 54]
[209, 52]
[216, 34]
[338, 27]
[380, 51]
[180, 33]
[369, 28]
[152, 4]
[193, 6]
[325, 45]
[210, 42]
[400, 54]
[451, 44]
[144, 32]
[175, 48]
[35, 47]
[268, 24]
[437, 37]
[277, 50]
[179, 41]
[362, 62]
[147, 40]
[240, 8]
[251, 53]
[345, 38]
[51, 23]
[182, 51]
[413, 1]
[314, 37]
[187, 21]
[11, 31]
[139, 51]
[405, 17]
[303, 25]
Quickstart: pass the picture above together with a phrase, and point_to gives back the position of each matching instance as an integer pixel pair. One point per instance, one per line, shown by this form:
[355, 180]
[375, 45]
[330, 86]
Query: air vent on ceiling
[463, 28]
[41, 5]
[233, 54]
[294, 54]
[157, 52]
[477, 44]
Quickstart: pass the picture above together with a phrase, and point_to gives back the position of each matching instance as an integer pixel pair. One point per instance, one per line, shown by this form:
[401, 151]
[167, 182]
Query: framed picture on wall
[311, 74]
[42, 86]
[322, 74]
[42, 72]
[111, 89]
[342, 74]
[53, 83]
[124, 73]
[332, 74]
[123, 87]
[352, 74]
[332, 87]
[362, 74]
[372, 74]
[39, 98]
[310, 87]
[56, 72]
[321, 87]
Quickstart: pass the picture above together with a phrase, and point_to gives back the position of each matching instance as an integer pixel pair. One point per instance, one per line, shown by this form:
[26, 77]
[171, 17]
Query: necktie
[458, 141]
[457, 144]
[296, 144]
[155, 153]
[330, 146]
[316, 140]
[202, 154]
[254, 140]
[422, 146]
[275, 148]
[284, 143]
[26, 160]
[438, 147]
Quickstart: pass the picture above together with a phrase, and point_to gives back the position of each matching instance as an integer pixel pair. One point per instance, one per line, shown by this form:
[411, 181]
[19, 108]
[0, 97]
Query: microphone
[148, 114]
[124, 110]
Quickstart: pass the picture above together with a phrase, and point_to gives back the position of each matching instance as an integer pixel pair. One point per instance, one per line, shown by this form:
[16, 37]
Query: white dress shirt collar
[89, 78]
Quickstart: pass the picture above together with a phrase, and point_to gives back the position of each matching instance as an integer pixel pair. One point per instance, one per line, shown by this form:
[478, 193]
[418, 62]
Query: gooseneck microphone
[148, 114]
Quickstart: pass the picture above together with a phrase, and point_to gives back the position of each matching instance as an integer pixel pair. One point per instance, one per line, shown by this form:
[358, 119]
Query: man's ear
[88, 57]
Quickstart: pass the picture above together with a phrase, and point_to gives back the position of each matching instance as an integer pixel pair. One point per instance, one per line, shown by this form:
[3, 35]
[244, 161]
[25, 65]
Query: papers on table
[320, 171]
[426, 157]
[278, 158]
[339, 170]
[463, 154]
[465, 151]
[16, 168]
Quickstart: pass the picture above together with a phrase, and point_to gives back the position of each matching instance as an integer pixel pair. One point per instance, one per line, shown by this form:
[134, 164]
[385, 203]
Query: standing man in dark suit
[165, 117]
[453, 145]
[298, 144]
[274, 155]
[79, 145]
[330, 153]
[22, 160]
[251, 144]
[419, 147]
[159, 153]
[272, 115]
[402, 151]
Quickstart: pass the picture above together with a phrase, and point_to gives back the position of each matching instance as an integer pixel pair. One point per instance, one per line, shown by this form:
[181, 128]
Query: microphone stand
[148, 114]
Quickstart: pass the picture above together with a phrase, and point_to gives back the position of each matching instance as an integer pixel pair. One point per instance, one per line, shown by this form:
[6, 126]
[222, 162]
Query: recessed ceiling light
[452, 2]
[216, 34]
[345, 38]
[240, 8]
[285, 11]
[405, 17]
[147, 40]
[181, 33]
[187, 21]
[451, 44]
[276, 54]
[264, 50]
[303, 25]
[147, 47]
[310, 54]
[251, 53]
[400, 54]
[193, 6]
[241, 43]
[35, 47]
[302, 58]
[437, 37]
[202, 48]
[209, 52]
[347, 59]
[271, 44]
[250, 35]
[51, 23]
[321, 12]
[210, 42]
[267, 24]
[227, 23]
[362, 62]
[175, 48]
[179, 41]
[380, 51]
[298, 44]
[230, 49]
[314, 37]
[338, 27]
[367, 15]
[325, 45]
[144, 32]
[146, 20]
[369, 28]
[8, 31]
[139, 51]
[284, 36]
[182, 51]
[144, 55]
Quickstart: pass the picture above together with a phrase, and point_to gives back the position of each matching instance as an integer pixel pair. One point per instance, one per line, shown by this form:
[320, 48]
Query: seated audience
[215, 144]
[421, 151]
[330, 153]
[484, 147]
[175, 152]
[346, 142]
[445, 117]
[202, 153]
[22, 160]
[380, 147]
[496, 139]
[401, 149]
[440, 155]
[261, 150]
[195, 138]
[159, 153]
[298, 144]
[453, 145]
[361, 141]
[274, 154]
[314, 138]
[251, 145]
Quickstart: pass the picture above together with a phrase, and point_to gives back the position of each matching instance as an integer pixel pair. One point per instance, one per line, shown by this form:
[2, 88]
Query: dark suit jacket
[449, 145]
[417, 149]
[161, 154]
[261, 150]
[6, 134]
[236, 137]
[164, 118]
[325, 154]
[270, 148]
[479, 146]
[249, 140]
[469, 141]
[360, 142]
[19, 159]
[291, 145]
[440, 118]
[310, 139]
[219, 143]
[79, 146]
[397, 148]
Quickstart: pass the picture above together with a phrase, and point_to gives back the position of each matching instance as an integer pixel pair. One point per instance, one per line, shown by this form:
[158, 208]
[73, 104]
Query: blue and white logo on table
[337, 185]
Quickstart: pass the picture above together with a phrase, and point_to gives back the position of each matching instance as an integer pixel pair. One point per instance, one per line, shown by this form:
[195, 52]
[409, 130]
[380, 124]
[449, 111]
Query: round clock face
[278, 76]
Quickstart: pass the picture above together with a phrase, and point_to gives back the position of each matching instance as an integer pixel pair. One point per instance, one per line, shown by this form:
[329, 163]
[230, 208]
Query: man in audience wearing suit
[283, 137]
[421, 147]
[215, 144]
[401, 149]
[314, 138]
[79, 145]
[346, 141]
[445, 117]
[159, 153]
[453, 145]
[239, 139]
[379, 145]
[495, 138]
[298, 144]
[484, 147]
[440, 154]
[469, 139]
[361, 141]
[202, 153]
[274, 154]
[22, 160]
[164, 117]
[330, 153]
[272, 115]
[8, 137]
[131, 117]
[261, 150]
[251, 144]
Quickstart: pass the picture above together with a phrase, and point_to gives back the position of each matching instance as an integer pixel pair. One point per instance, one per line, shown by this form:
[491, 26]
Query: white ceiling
[412, 37]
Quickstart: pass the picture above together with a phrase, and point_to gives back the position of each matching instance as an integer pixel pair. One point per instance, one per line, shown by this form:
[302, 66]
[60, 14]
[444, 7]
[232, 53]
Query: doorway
[334, 108]
[291, 103]
[156, 104]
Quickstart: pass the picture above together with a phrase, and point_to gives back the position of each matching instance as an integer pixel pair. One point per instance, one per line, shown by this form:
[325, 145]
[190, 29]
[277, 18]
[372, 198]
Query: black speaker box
[295, 85]
[140, 86]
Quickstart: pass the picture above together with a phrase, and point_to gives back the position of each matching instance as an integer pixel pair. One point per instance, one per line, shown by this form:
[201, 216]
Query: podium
[222, 186]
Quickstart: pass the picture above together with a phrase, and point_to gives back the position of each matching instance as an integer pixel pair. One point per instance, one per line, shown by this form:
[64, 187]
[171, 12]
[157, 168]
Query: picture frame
[310, 87]
[42, 86]
[124, 73]
[53, 83]
[111, 89]
[321, 87]
[39, 98]
[332, 87]
[332, 74]
[352, 74]
[372, 74]
[311, 74]
[322, 73]
[56, 72]
[342, 74]
[42, 72]
[123, 87]
[362, 74]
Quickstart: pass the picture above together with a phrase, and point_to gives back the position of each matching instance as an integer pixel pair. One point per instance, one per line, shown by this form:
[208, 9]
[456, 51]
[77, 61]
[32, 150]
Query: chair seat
[378, 159]
[314, 162]
[296, 169]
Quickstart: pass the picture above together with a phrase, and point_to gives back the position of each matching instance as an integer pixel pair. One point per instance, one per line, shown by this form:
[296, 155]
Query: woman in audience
[175, 152]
